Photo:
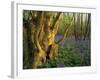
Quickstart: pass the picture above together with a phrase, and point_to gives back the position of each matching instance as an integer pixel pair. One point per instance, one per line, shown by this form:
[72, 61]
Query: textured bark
[44, 39]
[39, 54]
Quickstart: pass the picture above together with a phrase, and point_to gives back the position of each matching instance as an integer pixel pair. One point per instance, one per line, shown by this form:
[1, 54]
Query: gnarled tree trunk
[44, 38]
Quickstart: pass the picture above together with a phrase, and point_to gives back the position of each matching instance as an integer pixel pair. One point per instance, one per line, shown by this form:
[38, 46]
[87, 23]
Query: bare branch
[66, 32]
[56, 19]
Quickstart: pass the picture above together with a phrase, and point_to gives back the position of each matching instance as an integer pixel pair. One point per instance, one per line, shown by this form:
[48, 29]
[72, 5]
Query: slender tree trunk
[87, 26]
[81, 26]
[75, 27]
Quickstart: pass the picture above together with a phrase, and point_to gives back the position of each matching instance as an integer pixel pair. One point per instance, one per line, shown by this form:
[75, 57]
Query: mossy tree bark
[44, 38]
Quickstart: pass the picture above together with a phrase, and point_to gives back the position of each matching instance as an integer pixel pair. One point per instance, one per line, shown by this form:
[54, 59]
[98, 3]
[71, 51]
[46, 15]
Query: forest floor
[71, 54]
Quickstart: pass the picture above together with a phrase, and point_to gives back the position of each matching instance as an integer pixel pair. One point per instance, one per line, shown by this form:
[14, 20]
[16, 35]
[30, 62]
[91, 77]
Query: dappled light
[56, 39]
